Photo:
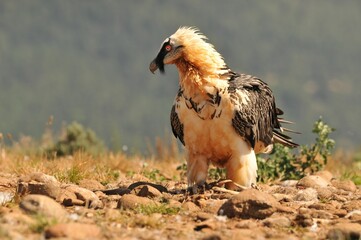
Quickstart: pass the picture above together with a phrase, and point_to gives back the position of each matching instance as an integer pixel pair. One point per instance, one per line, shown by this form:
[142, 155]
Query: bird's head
[189, 45]
[169, 52]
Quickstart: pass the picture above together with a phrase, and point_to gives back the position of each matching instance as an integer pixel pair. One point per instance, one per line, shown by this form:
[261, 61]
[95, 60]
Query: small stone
[346, 185]
[39, 177]
[149, 191]
[321, 214]
[308, 194]
[345, 231]
[202, 216]
[324, 193]
[48, 189]
[91, 184]
[82, 193]
[190, 207]
[211, 205]
[325, 175]
[39, 183]
[352, 205]
[289, 183]
[247, 224]
[250, 203]
[130, 201]
[73, 231]
[212, 236]
[304, 220]
[313, 181]
[83, 196]
[279, 221]
[46, 206]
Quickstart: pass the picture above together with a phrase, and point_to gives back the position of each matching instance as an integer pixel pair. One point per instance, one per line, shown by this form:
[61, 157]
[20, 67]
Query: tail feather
[283, 139]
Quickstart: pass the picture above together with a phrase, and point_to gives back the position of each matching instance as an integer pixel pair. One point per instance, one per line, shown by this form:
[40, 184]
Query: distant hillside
[88, 61]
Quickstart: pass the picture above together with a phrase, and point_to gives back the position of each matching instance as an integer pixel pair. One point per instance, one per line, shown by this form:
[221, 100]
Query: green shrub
[284, 163]
[76, 139]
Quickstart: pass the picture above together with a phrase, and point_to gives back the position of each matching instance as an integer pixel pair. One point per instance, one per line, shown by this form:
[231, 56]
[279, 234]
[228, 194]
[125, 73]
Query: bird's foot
[198, 188]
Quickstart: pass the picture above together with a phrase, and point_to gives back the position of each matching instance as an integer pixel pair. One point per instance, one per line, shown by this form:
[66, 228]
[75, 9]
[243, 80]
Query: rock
[283, 190]
[304, 219]
[111, 201]
[90, 184]
[321, 214]
[326, 175]
[190, 207]
[130, 201]
[324, 193]
[212, 236]
[308, 194]
[6, 197]
[345, 231]
[48, 189]
[73, 231]
[148, 191]
[352, 205]
[247, 224]
[39, 183]
[313, 181]
[84, 197]
[46, 206]
[250, 203]
[39, 177]
[211, 205]
[202, 216]
[289, 183]
[346, 185]
[159, 187]
[279, 221]
[354, 215]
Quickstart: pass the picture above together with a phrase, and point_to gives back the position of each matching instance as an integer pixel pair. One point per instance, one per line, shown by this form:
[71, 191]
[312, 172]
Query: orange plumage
[220, 116]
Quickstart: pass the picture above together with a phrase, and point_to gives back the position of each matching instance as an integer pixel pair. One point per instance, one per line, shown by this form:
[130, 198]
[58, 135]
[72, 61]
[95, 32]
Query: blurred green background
[87, 61]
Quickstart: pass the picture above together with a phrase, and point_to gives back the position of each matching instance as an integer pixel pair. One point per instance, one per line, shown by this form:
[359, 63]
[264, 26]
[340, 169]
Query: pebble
[308, 194]
[130, 201]
[250, 203]
[313, 181]
[73, 231]
[43, 205]
[279, 221]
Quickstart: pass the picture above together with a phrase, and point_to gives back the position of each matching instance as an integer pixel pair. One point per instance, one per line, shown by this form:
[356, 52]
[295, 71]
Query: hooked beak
[153, 66]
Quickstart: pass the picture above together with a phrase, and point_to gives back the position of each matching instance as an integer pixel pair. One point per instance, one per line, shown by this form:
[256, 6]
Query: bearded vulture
[220, 116]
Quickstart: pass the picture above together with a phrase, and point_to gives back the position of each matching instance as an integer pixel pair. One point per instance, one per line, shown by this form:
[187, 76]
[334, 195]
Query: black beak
[153, 66]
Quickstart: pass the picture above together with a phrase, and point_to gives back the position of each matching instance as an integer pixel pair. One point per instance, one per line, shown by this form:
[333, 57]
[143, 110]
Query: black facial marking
[160, 57]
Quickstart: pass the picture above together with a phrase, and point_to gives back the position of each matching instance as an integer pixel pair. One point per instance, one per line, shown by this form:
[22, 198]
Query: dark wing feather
[177, 126]
[256, 120]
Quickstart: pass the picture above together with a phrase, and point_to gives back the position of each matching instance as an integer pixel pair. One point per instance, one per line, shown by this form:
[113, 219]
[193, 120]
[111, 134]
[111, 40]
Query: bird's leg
[197, 169]
[242, 169]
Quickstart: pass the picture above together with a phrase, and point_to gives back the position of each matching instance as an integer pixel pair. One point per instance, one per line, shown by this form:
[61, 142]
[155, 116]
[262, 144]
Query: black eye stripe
[166, 44]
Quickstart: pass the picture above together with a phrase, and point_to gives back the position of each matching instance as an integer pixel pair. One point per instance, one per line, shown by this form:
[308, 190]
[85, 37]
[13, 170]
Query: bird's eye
[168, 48]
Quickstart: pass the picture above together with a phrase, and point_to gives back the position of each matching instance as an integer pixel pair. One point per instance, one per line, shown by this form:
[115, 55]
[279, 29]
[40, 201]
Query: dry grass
[23, 157]
[19, 160]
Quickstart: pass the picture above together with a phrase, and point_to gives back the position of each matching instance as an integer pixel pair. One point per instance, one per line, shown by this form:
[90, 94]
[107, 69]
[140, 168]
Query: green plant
[284, 163]
[216, 173]
[153, 208]
[154, 175]
[41, 222]
[76, 139]
[74, 174]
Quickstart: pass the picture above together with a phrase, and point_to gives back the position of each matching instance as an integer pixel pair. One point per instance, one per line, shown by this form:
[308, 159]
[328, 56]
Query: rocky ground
[37, 206]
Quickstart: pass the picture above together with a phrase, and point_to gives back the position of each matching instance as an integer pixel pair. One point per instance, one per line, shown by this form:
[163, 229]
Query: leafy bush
[283, 163]
[77, 138]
